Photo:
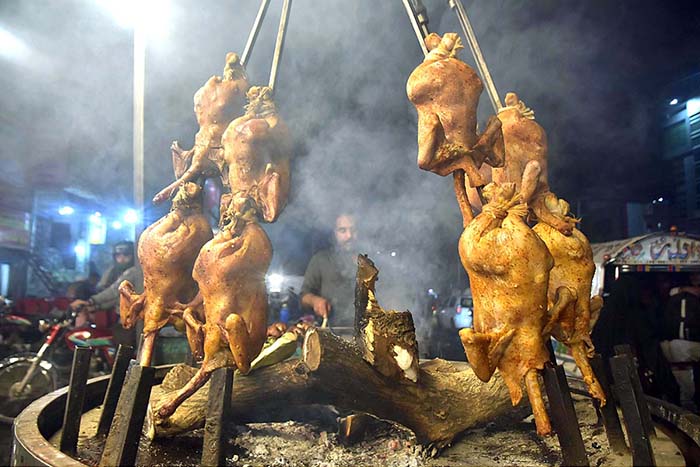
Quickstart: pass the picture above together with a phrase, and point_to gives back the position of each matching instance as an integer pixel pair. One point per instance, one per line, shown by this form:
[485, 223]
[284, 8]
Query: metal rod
[254, 32]
[564, 417]
[421, 16]
[279, 45]
[121, 446]
[476, 51]
[639, 439]
[76, 396]
[218, 412]
[416, 27]
[608, 412]
[116, 381]
[626, 351]
[138, 138]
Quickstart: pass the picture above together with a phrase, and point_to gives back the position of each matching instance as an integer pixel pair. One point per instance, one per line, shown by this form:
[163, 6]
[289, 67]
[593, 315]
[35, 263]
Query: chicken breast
[508, 267]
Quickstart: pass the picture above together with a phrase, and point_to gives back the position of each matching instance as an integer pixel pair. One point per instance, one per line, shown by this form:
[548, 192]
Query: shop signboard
[15, 229]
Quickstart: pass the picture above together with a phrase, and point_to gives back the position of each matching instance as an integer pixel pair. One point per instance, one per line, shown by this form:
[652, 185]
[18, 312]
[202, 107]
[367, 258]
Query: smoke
[582, 66]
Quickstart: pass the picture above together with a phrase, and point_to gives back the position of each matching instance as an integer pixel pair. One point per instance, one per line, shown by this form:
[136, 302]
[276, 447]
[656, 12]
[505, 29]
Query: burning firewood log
[381, 376]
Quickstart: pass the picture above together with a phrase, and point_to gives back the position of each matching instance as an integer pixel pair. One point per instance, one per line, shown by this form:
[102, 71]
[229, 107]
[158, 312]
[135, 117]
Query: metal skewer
[476, 51]
[421, 32]
[254, 32]
[281, 32]
[422, 16]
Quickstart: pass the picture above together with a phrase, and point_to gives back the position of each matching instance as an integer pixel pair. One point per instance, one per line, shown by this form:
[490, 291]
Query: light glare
[12, 47]
[66, 210]
[151, 16]
[117, 225]
[674, 101]
[131, 216]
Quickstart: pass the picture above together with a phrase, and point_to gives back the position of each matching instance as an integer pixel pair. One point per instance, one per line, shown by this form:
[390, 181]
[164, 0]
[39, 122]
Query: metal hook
[419, 26]
[254, 32]
[476, 51]
[281, 33]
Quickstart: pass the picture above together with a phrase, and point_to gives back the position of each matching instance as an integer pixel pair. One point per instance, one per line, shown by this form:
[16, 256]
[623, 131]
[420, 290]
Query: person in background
[329, 281]
[107, 298]
[123, 257]
[681, 339]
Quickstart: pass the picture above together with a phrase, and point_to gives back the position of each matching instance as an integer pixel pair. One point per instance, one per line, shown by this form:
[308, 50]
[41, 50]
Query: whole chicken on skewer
[230, 271]
[167, 251]
[570, 290]
[216, 104]
[526, 160]
[508, 267]
[445, 92]
[257, 149]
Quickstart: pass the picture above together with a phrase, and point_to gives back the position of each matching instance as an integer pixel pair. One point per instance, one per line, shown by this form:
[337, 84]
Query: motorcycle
[26, 376]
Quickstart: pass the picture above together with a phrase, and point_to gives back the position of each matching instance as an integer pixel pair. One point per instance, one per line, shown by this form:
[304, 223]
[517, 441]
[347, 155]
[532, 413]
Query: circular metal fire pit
[42, 419]
[37, 423]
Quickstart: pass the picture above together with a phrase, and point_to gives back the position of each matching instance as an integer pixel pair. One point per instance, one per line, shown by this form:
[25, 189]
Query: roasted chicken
[230, 271]
[526, 160]
[508, 267]
[445, 92]
[216, 104]
[573, 311]
[257, 149]
[167, 250]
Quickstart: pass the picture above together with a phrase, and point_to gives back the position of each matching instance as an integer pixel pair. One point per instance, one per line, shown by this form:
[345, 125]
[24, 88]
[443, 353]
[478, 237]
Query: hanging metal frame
[279, 43]
[419, 21]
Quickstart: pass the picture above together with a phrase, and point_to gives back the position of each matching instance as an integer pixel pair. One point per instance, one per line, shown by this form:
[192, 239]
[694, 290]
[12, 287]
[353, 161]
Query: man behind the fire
[329, 281]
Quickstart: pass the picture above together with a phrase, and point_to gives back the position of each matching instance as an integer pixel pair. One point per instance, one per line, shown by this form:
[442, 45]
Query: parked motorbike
[17, 332]
[27, 376]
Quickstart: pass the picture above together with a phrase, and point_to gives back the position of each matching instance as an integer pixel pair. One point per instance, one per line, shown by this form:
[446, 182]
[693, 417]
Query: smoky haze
[582, 66]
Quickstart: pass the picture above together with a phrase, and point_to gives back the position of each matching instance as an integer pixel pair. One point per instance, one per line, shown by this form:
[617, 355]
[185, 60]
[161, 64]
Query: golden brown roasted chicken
[216, 104]
[230, 271]
[445, 92]
[508, 267]
[167, 251]
[526, 159]
[257, 149]
[573, 311]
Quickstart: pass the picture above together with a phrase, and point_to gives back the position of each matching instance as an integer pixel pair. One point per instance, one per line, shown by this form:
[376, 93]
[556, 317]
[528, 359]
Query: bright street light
[131, 216]
[66, 210]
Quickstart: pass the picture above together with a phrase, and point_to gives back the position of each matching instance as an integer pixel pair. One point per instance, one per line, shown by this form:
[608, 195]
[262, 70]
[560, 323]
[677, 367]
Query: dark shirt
[108, 298]
[331, 275]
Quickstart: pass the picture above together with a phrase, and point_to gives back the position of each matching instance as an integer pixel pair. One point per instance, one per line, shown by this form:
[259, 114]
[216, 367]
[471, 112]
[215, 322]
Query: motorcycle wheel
[12, 371]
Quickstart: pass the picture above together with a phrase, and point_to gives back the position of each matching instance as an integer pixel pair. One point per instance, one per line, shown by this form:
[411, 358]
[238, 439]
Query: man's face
[122, 258]
[345, 233]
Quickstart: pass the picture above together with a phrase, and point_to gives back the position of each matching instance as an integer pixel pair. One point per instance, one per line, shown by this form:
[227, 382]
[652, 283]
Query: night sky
[593, 71]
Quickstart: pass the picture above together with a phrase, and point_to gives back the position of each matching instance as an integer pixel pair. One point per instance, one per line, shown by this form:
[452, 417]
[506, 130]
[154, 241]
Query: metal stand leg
[611, 421]
[75, 399]
[563, 416]
[623, 373]
[122, 442]
[121, 363]
[626, 350]
[218, 409]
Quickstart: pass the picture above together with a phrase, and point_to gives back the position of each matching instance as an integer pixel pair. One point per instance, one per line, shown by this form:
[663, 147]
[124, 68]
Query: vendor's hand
[79, 304]
[276, 329]
[321, 307]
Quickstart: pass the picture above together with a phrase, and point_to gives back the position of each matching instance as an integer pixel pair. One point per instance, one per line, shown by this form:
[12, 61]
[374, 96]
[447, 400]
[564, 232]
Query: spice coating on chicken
[257, 149]
[216, 104]
[230, 271]
[167, 251]
[573, 312]
[526, 159]
[445, 92]
[508, 267]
